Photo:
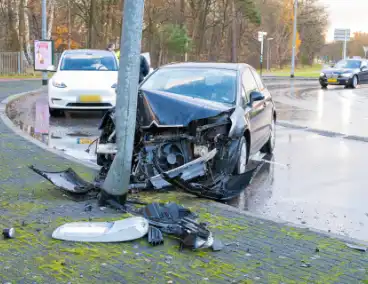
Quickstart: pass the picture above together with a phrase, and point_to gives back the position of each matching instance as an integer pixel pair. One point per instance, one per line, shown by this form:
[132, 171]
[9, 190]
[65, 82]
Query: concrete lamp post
[269, 52]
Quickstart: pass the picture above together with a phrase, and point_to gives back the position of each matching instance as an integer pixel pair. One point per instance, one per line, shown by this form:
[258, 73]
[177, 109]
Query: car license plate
[84, 141]
[90, 99]
[332, 80]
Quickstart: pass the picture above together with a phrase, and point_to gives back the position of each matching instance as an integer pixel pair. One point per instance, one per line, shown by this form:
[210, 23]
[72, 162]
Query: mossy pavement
[256, 251]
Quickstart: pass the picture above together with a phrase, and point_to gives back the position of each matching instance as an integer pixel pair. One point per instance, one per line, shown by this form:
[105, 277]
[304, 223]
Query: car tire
[354, 82]
[55, 112]
[241, 164]
[324, 86]
[270, 144]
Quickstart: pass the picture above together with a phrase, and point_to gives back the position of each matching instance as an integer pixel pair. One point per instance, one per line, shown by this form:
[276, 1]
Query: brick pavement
[257, 250]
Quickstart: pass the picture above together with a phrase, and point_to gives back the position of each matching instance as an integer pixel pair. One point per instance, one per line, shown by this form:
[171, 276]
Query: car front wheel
[270, 144]
[354, 82]
[241, 164]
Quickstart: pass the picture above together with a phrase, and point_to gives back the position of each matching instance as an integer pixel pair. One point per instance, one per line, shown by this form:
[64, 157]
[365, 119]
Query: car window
[206, 83]
[348, 64]
[364, 64]
[83, 62]
[249, 84]
[258, 80]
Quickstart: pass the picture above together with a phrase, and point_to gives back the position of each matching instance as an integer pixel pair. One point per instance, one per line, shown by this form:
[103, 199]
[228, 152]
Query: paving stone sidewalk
[256, 251]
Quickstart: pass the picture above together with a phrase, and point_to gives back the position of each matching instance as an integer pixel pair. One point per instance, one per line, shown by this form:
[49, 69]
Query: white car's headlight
[322, 74]
[348, 75]
[58, 84]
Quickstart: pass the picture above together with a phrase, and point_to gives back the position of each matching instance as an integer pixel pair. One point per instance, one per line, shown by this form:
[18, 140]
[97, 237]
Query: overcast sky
[345, 14]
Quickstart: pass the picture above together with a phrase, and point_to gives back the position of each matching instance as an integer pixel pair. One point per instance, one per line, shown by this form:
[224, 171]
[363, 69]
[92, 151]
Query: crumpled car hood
[168, 109]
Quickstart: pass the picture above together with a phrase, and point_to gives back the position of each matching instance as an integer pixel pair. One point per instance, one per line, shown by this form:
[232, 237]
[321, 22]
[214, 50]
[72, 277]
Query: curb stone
[10, 124]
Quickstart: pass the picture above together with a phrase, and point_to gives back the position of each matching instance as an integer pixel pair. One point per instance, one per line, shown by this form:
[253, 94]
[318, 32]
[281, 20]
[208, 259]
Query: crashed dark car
[197, 124]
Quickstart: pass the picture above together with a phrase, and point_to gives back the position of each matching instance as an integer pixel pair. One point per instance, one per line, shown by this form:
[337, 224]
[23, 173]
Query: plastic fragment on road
[155, 237]
[8, 233]
[67, 180]
[360, 248]
[118, 231]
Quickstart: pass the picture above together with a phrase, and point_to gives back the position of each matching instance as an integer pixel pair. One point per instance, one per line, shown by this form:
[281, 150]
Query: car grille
[89, 105]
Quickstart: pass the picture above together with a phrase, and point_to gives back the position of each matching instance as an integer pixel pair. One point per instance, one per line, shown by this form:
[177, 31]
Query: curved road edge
[4, 117]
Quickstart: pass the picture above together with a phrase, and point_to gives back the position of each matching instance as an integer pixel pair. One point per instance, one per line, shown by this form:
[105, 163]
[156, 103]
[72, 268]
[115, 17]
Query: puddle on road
[73, 134]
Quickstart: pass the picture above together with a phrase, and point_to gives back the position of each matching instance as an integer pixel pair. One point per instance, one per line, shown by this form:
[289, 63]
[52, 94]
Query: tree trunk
[27, 45]
[91, 23]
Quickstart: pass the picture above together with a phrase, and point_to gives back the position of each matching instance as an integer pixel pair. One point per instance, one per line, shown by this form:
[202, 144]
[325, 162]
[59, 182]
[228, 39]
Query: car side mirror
[256, 96]
[363, 68]
[51, 68]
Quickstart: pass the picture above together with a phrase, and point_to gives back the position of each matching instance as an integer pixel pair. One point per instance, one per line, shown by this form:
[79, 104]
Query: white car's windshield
[348, 64]
[211, 84]
[88, 63]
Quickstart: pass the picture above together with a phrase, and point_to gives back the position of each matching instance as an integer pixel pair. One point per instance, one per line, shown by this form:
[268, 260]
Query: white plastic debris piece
[118, 231]
[361, 248]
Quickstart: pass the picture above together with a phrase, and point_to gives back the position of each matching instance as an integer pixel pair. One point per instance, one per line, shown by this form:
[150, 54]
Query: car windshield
[211, 84]
[79, 62]
[348, 64]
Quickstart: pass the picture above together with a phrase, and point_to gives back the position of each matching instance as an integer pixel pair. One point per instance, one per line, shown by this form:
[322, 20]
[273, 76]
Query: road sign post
[344, 36]
[261, 36]
[117, 181]
[365, 48]
[294, 40]
[44, 36]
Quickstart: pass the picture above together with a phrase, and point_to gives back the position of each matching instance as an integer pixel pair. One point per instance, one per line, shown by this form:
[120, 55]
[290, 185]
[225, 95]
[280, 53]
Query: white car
[84, 80]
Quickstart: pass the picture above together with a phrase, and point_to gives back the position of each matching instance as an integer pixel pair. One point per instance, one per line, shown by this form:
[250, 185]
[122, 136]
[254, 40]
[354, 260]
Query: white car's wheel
[55, 112]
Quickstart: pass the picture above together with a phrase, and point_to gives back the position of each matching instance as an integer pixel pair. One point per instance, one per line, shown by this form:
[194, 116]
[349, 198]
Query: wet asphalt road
[312, 179]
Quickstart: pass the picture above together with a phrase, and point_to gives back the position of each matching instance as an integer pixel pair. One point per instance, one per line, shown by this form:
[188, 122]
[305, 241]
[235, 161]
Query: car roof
[210, 65]
[88, 52]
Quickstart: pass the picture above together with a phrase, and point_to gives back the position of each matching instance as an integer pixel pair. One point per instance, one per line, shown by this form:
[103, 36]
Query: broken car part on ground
[170, 219]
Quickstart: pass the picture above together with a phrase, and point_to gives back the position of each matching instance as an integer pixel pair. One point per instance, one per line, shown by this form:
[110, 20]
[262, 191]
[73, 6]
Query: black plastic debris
[67, 180]
[8, 233]
[155, 237]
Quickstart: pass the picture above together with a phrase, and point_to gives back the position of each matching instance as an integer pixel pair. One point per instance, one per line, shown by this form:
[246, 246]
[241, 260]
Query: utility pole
[344, 48]
[69, 26]
[261, 36]
[294, 39]
[269, 52]
[116, 183]
[233, 29]
[44, 35]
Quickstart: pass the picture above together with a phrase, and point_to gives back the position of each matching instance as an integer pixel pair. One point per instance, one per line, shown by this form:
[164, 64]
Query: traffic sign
[261, 35]
[342, 35]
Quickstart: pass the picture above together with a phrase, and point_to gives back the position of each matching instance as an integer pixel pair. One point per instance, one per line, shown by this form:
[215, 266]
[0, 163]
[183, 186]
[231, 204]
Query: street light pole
[69, 26]
[269, 52]
[116, 183]
[294, 39]
[44, 36]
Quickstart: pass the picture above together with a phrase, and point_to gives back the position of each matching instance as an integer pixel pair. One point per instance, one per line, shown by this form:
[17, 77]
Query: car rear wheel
[324, 86]
[270, 144]
[241, 164]
[55, 112]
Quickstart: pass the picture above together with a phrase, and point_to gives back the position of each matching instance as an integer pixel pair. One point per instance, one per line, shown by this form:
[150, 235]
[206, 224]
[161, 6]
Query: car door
[267, 113]
[363, 78]
[249, 85]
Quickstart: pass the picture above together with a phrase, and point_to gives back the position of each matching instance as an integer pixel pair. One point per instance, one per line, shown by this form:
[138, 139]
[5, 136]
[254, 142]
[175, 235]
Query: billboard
[43, 54]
